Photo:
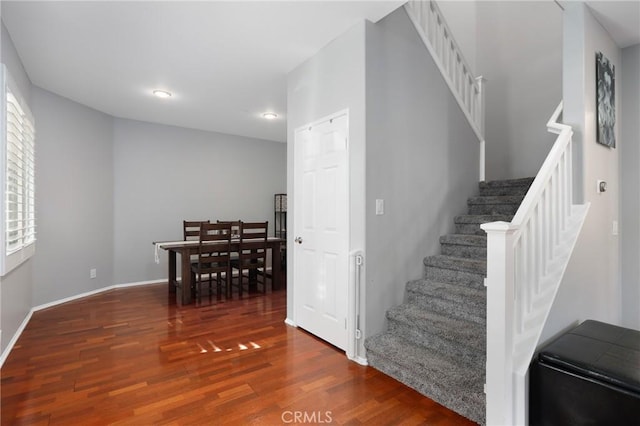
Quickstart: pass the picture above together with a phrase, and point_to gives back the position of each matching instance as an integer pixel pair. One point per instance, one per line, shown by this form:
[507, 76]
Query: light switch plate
[379, 207]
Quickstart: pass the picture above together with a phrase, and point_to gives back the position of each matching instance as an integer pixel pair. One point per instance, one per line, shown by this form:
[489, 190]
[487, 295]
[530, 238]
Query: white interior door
[321, 250]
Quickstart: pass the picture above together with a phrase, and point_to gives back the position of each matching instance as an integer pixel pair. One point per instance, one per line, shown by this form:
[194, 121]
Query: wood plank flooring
[132, 357]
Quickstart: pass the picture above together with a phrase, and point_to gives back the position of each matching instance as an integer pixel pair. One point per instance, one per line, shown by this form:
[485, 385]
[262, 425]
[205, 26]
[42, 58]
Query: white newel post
[500, 308]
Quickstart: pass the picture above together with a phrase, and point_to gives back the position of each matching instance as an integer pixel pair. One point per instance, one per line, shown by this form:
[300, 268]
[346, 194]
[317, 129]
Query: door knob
[298, 240]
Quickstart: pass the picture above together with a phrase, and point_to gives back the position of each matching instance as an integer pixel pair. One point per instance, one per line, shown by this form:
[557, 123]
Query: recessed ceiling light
[162, 93]
[270, 115]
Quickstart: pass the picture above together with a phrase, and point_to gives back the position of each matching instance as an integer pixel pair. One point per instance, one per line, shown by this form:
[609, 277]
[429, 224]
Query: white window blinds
[18, 144]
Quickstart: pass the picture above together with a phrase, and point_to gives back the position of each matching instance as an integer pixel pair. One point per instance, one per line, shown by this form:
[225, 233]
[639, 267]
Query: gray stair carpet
[435, 342]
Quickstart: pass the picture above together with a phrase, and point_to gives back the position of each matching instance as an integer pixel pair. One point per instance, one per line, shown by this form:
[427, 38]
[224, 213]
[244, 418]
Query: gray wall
[590, 288]
[15, 287]
[106, 188]
[422, 159]
[74, 198]
[629, 84]
[164, 175]
[523, 79]
[12, 60]
[524, 82]
[331, 81]
[421, 156]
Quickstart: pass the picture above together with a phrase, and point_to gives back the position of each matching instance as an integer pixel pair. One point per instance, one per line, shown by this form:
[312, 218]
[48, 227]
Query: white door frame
[351, 347]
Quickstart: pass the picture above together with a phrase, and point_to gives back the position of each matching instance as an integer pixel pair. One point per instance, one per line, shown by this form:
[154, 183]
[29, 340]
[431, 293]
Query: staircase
[435, 342]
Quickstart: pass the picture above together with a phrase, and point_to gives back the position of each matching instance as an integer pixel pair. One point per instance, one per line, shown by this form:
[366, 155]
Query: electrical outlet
[614, 228]
[92, 273]
[379, 207]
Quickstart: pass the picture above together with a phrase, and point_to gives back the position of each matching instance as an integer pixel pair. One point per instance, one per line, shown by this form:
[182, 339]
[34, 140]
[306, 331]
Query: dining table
[188, 248]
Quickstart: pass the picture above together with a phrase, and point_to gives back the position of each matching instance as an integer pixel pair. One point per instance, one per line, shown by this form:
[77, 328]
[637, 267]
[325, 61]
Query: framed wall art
[606, 100]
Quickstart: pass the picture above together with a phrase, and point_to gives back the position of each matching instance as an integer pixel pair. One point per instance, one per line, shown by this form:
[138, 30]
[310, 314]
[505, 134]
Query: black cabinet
[280, 224]
[280, 215]
[588, 376]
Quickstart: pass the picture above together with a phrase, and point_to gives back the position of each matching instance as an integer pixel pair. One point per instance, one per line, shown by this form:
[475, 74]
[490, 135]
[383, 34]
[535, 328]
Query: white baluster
[535, 250]
[458, 77]
[562, 184]
[481, 82]
[443, 41]
[570, 172]
[446, 48]
[452, 60]
[438, 41]
[520, 258]
[530, 262]
[471, 89]
[552, 216]
[554, 210]
[424, 16]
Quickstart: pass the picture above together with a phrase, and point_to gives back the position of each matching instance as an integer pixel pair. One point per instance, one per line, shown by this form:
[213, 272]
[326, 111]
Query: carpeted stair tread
[471, 279]
[482, 218]
[506, 183]
[435, 375]
[455, 330]
[506, 187]
[499, 204]
[525, 181]
[470, 224]
[461, 245]
[464, 264]
[458, 301]
[496, 199]
[464, 240]
[471, 355]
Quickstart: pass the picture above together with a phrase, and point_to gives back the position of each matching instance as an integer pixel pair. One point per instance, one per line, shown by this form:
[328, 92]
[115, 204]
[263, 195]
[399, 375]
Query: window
[17, 178]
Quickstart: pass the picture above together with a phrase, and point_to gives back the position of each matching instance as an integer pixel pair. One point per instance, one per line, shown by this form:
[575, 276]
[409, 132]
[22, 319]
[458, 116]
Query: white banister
[467, 89]
[526, 260]
[500, 295]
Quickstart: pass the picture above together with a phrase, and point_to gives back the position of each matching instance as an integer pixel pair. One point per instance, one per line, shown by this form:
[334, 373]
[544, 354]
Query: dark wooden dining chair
[235, 227]
[235, 233]
[191, 232]
[252, 255]
[191, 229]
[214, 258]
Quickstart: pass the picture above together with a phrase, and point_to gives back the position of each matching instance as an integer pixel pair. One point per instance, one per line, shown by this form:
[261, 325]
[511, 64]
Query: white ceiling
[225, 62]
[621, 19]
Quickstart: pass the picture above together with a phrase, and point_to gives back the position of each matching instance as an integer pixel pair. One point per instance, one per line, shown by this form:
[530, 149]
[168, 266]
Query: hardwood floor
[132, 357]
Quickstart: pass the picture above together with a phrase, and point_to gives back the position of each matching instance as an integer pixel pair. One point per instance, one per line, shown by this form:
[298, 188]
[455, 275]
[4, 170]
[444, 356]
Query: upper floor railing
[467, 89]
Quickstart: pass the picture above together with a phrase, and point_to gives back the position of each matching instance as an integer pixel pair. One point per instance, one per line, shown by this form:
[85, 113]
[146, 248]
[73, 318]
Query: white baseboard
[94, 292]
[360, 360]
[15, 337]
[290, 322]
[24, 323]
[139, 283]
